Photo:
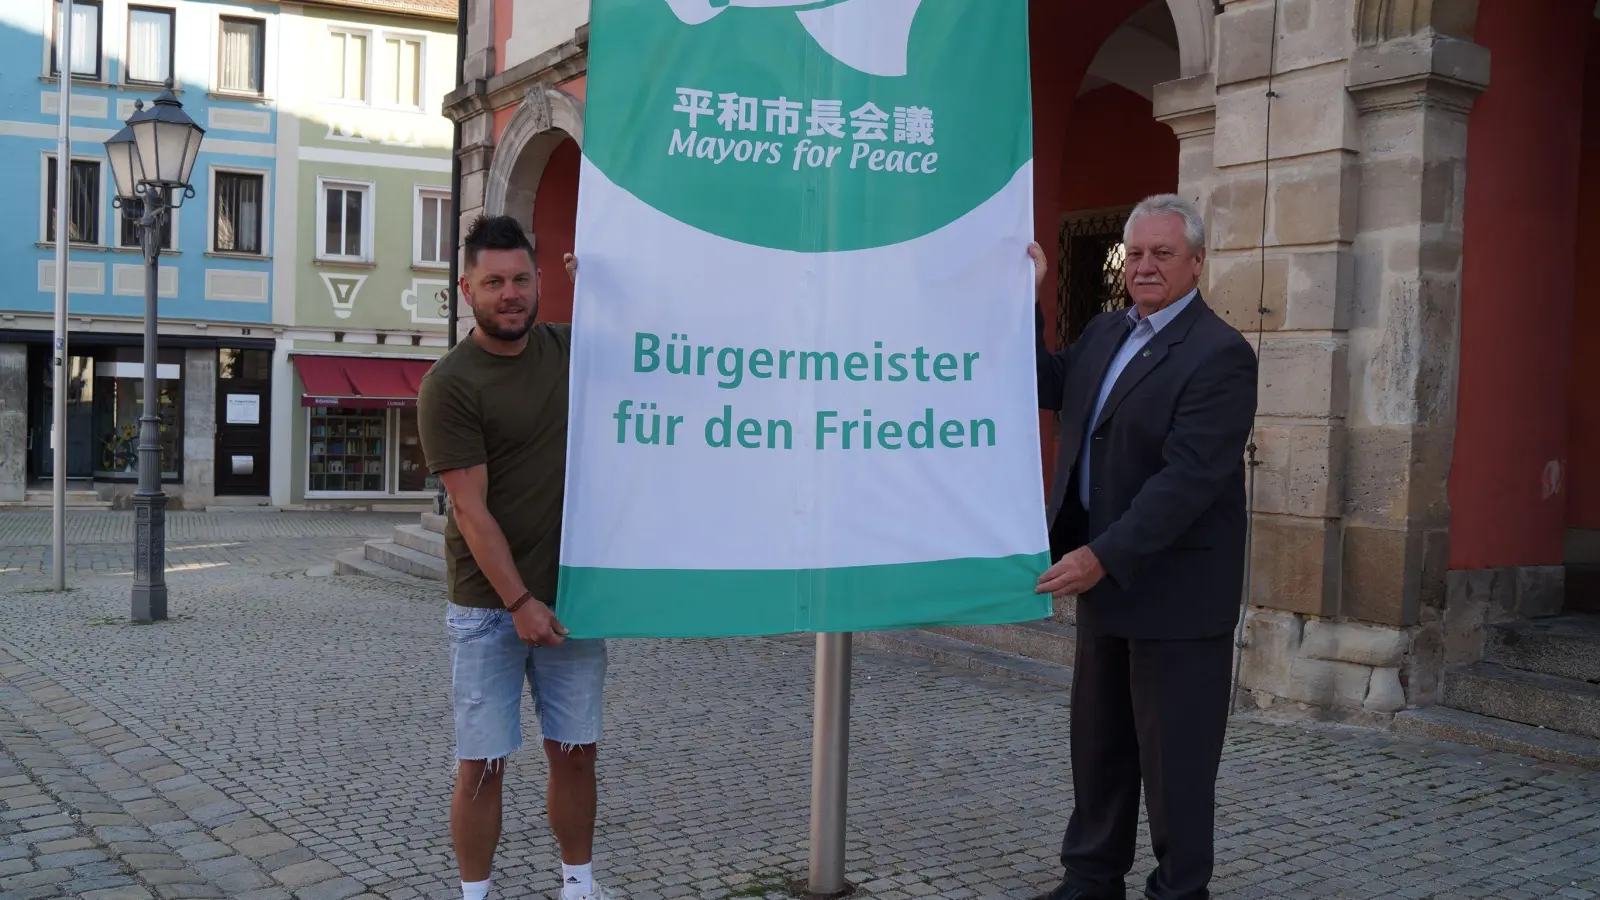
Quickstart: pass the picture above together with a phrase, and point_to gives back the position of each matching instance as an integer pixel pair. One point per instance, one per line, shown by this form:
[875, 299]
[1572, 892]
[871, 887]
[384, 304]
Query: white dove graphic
[871, 36]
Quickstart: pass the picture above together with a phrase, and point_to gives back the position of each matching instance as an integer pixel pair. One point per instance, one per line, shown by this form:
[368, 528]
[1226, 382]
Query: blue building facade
[216, 277]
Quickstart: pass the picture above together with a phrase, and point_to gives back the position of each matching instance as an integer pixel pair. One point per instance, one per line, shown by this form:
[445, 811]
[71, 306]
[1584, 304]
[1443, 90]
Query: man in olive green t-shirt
[493, 421]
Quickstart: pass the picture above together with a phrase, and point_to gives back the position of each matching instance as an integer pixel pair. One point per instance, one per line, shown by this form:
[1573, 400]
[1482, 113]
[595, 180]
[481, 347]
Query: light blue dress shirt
[1144, 328]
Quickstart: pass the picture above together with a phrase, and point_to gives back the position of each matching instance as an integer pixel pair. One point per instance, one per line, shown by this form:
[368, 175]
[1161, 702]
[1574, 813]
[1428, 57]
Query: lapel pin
[1147, 353]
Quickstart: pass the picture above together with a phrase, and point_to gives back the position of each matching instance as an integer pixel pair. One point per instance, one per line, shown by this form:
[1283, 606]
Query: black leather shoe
[1068, 891]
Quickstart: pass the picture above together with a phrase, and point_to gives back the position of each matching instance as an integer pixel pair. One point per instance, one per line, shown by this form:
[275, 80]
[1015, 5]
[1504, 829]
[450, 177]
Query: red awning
[357, 383]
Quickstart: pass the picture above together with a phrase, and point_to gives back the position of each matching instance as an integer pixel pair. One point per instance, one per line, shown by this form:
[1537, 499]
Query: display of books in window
[346, 454]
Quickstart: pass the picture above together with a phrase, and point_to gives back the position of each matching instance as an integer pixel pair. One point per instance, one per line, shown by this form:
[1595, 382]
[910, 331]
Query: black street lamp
[151, 160]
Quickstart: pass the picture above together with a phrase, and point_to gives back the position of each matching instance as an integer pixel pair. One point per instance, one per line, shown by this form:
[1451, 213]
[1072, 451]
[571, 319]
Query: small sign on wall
[244, 409]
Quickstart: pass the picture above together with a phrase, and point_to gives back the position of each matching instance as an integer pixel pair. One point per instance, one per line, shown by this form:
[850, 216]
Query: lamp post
[151, 160]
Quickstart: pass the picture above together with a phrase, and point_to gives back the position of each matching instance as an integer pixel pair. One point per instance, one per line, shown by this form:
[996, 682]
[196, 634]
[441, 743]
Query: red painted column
[1519, 274]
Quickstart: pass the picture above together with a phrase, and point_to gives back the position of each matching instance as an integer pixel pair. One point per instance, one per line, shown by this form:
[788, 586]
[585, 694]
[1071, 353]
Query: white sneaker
[598, 893]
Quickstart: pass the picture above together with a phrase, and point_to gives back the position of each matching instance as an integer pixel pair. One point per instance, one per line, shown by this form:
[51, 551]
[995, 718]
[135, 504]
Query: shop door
[80, 416]
[244, 423]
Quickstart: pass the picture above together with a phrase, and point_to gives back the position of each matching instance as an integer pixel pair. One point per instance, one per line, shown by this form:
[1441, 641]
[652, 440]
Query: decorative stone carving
[1385, 20]
[427, 300]
[544, 119]
[536, 106]
[342, 289]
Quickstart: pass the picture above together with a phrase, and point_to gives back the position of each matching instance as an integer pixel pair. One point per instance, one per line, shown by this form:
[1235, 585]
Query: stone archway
[545, 118]
[1195, 20]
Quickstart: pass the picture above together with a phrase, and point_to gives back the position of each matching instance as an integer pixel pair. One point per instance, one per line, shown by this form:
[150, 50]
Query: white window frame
[368, 219]
[421, 39]
[50, 44]
[391, 480]
[47, 162]
[172, 37]
[371, 35]
[211, 212]
[268, 46]
[422, 192]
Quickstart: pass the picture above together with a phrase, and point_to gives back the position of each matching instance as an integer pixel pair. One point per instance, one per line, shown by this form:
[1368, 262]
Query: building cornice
[554, 66]
[395, 8]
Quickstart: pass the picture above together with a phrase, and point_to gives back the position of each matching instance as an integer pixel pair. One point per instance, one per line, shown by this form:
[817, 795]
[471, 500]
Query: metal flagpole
[58, 423]
[449, 296]
[830, 762]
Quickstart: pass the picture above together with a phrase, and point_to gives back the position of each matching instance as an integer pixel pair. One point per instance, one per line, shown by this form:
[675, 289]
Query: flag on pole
[803, 392]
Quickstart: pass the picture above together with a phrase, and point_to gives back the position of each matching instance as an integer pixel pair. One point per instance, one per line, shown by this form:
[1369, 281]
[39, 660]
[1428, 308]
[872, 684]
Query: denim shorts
[488, 666]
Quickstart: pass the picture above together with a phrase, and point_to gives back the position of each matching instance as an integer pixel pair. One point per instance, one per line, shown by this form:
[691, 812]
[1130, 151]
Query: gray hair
[1194, 225]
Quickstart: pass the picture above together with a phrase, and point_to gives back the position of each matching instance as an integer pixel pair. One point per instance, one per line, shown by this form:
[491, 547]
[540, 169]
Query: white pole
[58, 425]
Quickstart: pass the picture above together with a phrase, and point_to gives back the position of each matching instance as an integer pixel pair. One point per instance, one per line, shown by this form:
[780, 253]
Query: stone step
[1443, 724]
[415, 537]
[355, 562]
[433, 522]
[36, 495]
[1066, 611]
[1049, 641]
[1565, 646]
[964, 654]
[233, 502]
[1560, 704]
[405, 560]
[37, 499]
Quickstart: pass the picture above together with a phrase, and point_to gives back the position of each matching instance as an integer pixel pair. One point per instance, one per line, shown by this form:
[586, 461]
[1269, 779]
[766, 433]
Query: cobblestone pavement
[284, 735]
[102, 541]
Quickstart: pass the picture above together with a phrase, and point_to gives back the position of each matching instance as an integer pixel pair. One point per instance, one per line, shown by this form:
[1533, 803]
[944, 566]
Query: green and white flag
[803, 392]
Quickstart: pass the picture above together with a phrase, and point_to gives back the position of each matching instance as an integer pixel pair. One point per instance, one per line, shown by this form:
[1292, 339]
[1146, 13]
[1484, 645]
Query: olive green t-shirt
[509, 413]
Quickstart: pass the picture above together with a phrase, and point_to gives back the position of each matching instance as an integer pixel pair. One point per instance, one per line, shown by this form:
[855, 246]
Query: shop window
[245, 365]
[413, 467]
[347, 452]
[118, 404]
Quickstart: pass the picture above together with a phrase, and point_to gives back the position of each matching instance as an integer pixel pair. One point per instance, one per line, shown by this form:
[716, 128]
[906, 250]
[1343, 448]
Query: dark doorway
[244, 422]
[80, 415]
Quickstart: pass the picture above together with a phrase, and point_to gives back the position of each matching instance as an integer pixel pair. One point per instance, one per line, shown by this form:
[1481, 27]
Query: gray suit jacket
[1167, 508]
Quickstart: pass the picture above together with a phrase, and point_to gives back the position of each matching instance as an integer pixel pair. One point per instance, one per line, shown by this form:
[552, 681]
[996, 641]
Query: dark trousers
[1156, 710]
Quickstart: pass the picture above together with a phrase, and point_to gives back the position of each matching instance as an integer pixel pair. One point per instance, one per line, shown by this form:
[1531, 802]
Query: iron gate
[1091, 272]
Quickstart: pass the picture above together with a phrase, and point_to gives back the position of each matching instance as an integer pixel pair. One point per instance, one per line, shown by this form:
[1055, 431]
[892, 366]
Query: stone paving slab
[102, 541]
[289, 736]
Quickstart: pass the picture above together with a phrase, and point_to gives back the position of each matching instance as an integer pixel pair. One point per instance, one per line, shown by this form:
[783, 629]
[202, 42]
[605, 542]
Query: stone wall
[1336, 243]
[199, 427]
[13, 422]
